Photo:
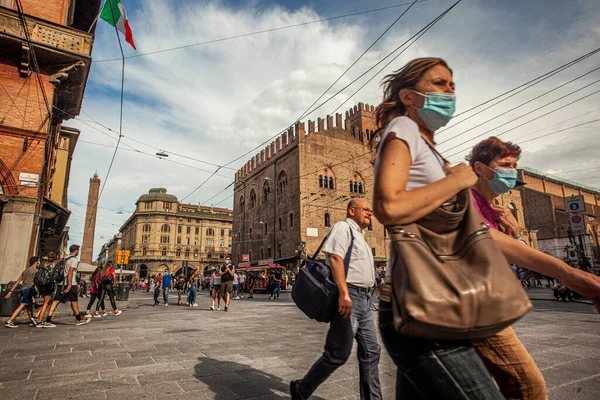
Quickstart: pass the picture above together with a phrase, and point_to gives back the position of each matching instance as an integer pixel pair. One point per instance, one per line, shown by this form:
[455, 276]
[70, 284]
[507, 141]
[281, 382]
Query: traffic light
[126, 257]
[118, 256]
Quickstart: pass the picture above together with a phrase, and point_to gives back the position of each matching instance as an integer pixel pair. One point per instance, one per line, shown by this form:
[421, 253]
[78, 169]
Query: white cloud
[217, 101]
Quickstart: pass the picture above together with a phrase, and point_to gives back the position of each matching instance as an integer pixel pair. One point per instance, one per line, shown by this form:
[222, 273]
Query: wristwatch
[518, 236]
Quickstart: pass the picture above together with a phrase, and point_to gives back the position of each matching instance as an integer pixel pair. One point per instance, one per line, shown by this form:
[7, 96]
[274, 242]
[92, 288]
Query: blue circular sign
[574, 206]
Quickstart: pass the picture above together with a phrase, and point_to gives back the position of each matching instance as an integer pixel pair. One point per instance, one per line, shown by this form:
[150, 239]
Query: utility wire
[529, 112]
[518, 106]
[121, 108]
[561, 130]
[531, 83]
[262, 31]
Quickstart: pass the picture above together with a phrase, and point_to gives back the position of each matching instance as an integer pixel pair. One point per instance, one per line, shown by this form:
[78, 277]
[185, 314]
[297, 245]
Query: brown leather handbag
[450, 281]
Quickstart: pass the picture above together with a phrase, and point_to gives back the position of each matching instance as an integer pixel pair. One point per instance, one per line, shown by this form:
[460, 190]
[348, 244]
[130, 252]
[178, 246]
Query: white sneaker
[212, 308]
[237, 297]
[195, 305]
[166, 305]
[104, 314]
[218, 308]
[88, 315]
[242, 296]
[118, 312]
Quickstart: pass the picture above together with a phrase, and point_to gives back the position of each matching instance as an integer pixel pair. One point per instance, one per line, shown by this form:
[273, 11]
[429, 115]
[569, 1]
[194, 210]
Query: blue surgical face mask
[438, 109]
[504, 180]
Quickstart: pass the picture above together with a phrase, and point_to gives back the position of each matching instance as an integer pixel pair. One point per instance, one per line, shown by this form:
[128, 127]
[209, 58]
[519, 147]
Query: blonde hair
[404, 78]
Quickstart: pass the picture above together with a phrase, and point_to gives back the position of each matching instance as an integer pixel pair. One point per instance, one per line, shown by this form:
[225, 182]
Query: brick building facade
[288, 196]
[544, 211]
[163, 233]
[44, 65]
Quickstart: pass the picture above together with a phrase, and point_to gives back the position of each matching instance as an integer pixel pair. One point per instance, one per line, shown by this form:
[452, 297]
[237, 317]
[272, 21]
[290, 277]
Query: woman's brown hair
[404, 78]
[491, 148]
[107, 266]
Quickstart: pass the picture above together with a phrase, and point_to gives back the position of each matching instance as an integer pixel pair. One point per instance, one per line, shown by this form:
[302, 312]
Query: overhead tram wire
[121, 106]
[263, 31]
[416, 37]
[345, 87]
[558, 131]
[420, 32]
[532, 82]
[518, 106]
[150, 146]
[202, 184]
[305, 113]
[524, 123]
[153, 156]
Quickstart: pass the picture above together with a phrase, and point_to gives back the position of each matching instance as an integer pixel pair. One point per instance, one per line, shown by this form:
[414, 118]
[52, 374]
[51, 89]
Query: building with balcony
[163, 233]
[44, 66]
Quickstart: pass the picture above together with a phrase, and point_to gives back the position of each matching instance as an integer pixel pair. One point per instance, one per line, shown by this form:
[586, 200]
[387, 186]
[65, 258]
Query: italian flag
[113, 12]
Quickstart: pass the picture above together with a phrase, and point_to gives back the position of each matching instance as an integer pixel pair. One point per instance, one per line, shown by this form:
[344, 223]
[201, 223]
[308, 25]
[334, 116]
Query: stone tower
[87, 247]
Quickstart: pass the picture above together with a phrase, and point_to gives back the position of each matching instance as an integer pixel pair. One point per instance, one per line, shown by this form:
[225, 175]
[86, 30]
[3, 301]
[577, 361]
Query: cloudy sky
[214, 102]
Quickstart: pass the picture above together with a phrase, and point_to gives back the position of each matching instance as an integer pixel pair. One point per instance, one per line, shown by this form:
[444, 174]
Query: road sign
[577, 223]
[245, 257]
[574, 204]
[267, 261]
[25, 177]
[243, 264]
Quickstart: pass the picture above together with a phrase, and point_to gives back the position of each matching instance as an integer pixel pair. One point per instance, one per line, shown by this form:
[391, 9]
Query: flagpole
[122, 97]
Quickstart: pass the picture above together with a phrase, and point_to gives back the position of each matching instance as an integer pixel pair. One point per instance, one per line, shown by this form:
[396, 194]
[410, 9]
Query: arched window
[326, 178]
[252, 199]
[165, 228]
[178, 253]
[146, 228]
[163, 252]
[266, 192]
[280, 223]
[250, 233]
[266, 228]
[327, 220]
[242, 204]
[144, 251]
[282, 183]
[291, 217]
[210, 232]
[357, 184]
[187, 253]
[262, 254]
[513, 210]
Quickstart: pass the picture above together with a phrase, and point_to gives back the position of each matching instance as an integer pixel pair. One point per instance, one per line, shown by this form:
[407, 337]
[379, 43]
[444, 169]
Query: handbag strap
[437, 153]
[348, 255]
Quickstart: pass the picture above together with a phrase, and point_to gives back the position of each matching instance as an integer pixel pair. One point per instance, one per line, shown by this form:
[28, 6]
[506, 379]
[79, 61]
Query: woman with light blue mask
[411, 181]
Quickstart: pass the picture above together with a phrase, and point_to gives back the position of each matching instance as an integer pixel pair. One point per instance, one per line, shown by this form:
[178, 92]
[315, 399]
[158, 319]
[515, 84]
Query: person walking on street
[27, 294]
[46, 290]
[193, 284]
[157, 284]
[96, 283]
[215, 290]
[278, 279]
[108, 278]
[412, 181]
[227, 271]
[68, 289]
[351, 261]
[236, 286]
[167, 284]
[251, 282]
[242, 284]
[180, 285]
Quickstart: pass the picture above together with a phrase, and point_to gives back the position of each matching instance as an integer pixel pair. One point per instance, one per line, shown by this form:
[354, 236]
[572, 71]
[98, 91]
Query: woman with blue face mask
[411, 182]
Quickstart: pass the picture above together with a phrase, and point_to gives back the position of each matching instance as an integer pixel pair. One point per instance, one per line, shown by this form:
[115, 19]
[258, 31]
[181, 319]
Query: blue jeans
[338, 346]
[434, 370]
[166, 295]
[192, 295]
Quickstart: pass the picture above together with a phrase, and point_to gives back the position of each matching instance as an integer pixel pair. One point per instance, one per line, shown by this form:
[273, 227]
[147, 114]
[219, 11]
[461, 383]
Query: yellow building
[163, 233]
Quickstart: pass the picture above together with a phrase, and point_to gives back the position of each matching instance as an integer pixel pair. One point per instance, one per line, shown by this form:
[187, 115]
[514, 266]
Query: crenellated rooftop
[356, 118]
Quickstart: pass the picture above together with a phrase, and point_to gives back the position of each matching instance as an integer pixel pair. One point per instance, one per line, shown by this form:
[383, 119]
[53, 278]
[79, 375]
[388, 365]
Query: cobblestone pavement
[250, 352]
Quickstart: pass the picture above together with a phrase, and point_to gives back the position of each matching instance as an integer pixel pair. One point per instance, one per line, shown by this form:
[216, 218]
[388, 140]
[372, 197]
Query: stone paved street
[250, 352]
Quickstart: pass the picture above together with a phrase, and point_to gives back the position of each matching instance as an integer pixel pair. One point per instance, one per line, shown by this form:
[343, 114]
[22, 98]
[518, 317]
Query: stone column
[15, 235]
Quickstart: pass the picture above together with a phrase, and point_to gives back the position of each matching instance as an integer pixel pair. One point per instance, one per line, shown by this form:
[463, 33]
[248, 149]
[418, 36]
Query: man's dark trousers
[338, 346]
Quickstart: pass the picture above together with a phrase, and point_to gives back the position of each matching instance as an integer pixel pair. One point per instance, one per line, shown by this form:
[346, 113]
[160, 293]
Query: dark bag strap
[348, 253]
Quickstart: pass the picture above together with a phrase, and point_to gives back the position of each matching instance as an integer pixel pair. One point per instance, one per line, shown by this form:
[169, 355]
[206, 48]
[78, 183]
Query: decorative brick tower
[87, 247]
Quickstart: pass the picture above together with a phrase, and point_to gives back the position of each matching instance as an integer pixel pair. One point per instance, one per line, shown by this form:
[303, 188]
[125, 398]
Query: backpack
[42, 277]
[315, 293]
[58, 272]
